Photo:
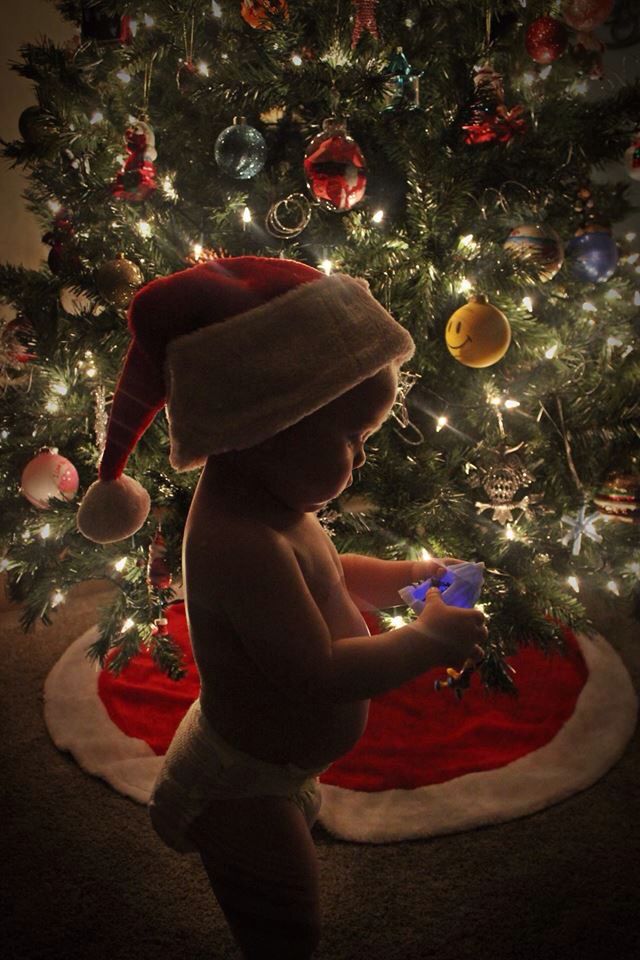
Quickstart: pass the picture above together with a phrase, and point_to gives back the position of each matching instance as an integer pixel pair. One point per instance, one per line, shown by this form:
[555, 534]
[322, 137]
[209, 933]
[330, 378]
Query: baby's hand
[460, 632]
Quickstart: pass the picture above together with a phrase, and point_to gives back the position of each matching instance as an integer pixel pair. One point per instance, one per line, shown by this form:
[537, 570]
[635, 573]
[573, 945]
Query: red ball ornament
[49, 476]
[546, 39]
[335, 168]
[586, 14]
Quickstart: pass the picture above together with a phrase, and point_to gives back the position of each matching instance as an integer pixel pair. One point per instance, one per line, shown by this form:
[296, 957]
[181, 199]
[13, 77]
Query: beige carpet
[84, 876]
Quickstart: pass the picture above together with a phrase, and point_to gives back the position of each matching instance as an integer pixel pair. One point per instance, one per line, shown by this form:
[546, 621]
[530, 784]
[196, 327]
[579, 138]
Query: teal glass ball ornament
[240, 150]
[592, 254]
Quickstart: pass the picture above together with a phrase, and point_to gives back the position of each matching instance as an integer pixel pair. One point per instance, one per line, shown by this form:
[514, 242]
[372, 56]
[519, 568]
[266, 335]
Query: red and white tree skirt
[427, 764]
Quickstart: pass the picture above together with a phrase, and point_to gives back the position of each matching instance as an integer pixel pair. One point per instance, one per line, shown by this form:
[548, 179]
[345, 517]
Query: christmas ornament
[402, 84]
[158, 570]
[587, 52]
[632, 157]
[76, 302]
[240, 150]
[538, 244]
[546, 39]
[136, 179]
[103, 27]
[586, 14]
[364, 19]
[34, 126]
[619, 497]
[592, 253]
[460, 586]
[335, 168]
[258, 13]
[186, 77]
[117, 281]
[487, 119]
[582, 525]
[49, 476]
[14, 353]
[501, 481]
[62, 255]
[478, 334]
[287, 218]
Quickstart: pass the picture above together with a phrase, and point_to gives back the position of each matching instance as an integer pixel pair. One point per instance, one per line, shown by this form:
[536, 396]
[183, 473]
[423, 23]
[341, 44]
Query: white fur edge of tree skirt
[582, 751]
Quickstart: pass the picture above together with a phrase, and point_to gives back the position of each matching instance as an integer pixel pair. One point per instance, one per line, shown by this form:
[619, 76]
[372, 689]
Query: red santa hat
[292, 341]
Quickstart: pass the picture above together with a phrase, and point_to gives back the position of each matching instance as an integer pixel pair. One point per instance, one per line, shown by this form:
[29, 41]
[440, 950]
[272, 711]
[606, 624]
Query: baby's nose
[360, 458]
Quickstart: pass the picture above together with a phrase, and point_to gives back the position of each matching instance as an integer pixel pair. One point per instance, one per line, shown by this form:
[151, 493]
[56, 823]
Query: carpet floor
[83, 875]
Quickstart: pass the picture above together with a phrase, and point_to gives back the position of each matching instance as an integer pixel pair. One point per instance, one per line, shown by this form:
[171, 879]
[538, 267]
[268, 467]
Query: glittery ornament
[592, 253]
[136, 179]
[586, 14]
[537, 244]
[364, 19]
[49, 477]
[62, 256]
[117, 280]
[546, 39]
[15, 336]
[501, 481]
[240, 150]
[487, 119]
[258, 13]
[335, 168]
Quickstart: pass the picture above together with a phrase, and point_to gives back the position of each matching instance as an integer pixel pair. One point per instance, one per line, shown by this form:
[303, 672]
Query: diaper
[200, 765]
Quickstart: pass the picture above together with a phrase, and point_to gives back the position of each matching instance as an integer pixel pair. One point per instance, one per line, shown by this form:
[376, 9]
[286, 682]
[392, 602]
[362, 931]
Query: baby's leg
[262, 867]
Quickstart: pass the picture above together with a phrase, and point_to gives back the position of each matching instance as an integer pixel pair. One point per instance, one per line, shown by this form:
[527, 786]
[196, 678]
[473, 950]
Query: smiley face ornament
[478, 334]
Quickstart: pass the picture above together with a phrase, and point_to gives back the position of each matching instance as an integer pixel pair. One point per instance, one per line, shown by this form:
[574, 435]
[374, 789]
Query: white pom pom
[113, 510]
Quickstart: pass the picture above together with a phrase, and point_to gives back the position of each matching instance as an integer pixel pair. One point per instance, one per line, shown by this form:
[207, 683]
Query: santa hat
[292, 341]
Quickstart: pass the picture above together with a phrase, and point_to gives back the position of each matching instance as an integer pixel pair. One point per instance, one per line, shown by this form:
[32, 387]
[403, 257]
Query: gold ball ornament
[117, 281]
[478, 334]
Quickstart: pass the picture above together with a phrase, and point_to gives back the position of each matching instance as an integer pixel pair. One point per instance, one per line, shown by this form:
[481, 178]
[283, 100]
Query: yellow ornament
[478, 334]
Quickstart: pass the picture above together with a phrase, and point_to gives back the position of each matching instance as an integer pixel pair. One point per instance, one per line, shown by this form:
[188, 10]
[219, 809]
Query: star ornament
[582, 525]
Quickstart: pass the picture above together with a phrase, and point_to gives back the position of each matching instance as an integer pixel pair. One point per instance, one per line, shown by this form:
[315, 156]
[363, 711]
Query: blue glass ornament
[593, 254]
[240, 150]
[402, 86]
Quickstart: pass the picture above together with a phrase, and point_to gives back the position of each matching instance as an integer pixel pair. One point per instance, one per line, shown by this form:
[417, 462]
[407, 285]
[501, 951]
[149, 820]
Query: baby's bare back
[247, 703]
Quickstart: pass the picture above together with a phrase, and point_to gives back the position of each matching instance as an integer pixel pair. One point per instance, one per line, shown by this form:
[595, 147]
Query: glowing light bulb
[424, 554]
[613, 586]
[327, 266]
[551, 352]
[57, 597]
[168, 188]
[55, 206]
[52, 406]
[633, 258]
[630, 237]
[203, 68]
[144, 229]
[296, 59]
[96, 117]
[197, 250]
[127, 625]
[527, 303]
[246, 215]
[589, 307]
[216, 9]
[574, 584]
[509, 532]
[120, 564]
[544, 73]
[4, 434]
[45, 531]
[397, 622]
[511, 404]
[467, 242]
[60, 388]
[378, 216]
[612, 294]
[464, 285]
[442, 422]
[91, 371]
[4, 565]
[123, 76]
[614, 342]
[148, 20]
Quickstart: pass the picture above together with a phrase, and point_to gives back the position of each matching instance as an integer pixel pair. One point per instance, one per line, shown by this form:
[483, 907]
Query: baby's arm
[374, 584]
[265, 596]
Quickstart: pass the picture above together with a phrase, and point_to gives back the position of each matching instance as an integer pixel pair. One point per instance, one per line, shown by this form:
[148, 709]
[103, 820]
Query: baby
[279, 401]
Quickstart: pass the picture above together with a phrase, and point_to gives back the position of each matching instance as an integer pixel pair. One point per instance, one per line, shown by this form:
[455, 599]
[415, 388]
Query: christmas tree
[446, 152]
